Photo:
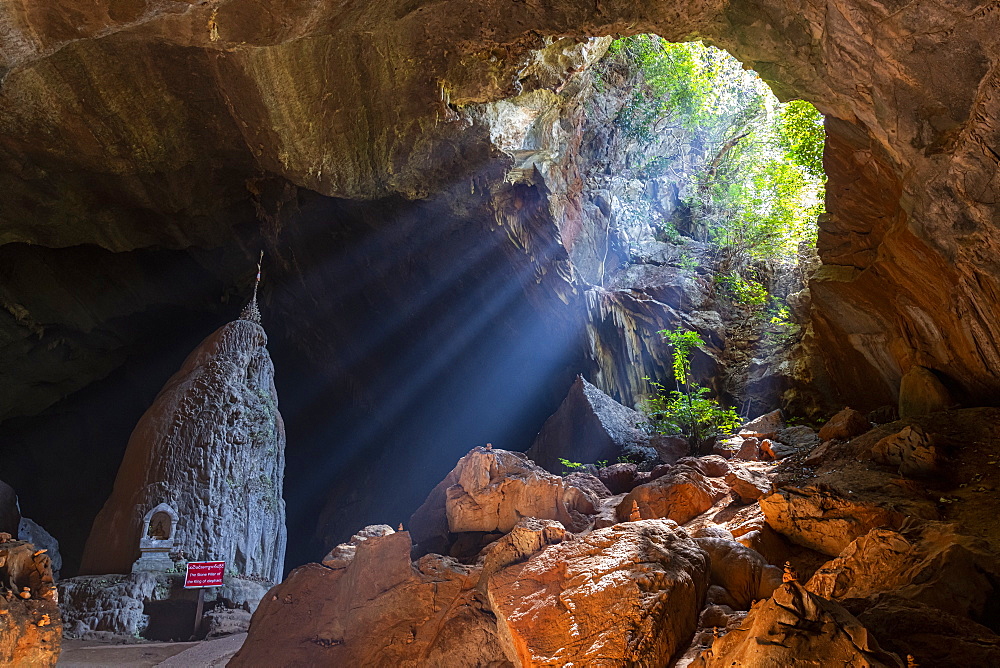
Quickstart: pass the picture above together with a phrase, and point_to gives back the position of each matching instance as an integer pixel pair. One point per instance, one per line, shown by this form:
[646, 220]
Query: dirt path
[202, 654]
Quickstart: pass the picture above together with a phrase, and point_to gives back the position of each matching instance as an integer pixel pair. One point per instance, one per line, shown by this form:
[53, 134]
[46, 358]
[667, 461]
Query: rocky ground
[861, 545]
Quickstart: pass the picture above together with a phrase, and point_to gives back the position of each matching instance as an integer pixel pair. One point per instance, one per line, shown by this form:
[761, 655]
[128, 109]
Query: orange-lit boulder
[846, 424]
[797, 628]
[625, 595]
[680, 495]
[743, 573]
[30, 624]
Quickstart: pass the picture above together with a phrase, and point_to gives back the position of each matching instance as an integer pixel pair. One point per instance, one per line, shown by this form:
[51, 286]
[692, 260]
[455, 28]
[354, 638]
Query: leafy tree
[687, 410]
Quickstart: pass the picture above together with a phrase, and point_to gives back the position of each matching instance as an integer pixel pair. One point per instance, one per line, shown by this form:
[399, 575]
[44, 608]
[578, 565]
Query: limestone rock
[742, 572]
[10, 516]
[922, 392]
[747, 485]
[589, 426]
[913, 450]
[496, 488]
[798, 436]
[933, 637]
[932, 565]
[222, 621]
[627, 594]
[712, 466]
[147, 605]
[670, 448]
[381, 610]
[845, 425]
[765, 426]
[31, 532]
[823, 520]
[795, 627]
[619, 478]
[590, 484]
[528, 537]
[341, 556]
[30, 628]
[749, 450]
[212, 446]
[680, 495]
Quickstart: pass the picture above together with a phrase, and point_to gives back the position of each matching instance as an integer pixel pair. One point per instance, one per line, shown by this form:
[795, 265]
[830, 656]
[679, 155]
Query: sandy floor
[204, 654]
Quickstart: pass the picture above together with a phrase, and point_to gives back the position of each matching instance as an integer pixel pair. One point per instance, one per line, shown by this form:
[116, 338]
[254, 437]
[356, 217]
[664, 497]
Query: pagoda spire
[251, 311]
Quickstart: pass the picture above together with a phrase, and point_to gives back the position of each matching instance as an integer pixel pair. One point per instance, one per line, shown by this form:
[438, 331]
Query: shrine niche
[157, 540]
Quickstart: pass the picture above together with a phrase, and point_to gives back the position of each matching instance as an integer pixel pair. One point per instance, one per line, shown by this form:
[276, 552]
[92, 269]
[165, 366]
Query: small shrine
[157, 540]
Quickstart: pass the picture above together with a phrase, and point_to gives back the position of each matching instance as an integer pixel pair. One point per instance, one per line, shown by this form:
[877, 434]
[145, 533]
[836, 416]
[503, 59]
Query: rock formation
[622, 595]
[212, 447]
[588, 427]
[30, 624]
[797, 627]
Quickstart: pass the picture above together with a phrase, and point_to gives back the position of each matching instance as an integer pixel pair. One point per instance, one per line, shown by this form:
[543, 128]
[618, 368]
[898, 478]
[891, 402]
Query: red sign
[204, 574]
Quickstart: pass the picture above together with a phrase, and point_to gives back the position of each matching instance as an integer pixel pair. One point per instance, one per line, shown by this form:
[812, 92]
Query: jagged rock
[933, 637]
[381, 610]
[590, 484]
[212, 446]
[922, 392]
[931, 564]
[670, 448]
[10, 516]
[620, 478]
[31, 532]
[589, 426]
[680, 495]
[625, 594]
[496, 488]
[341, 556]
[747, 485]
[799, 437]
[818, 454]
[845, 425]
[144, 605]
[749, 450]
[742, 572]
[823, 520]
[524, 540]
[765, 426]
[30, 627]
[795, 627]
[712, 466]
[913, 450]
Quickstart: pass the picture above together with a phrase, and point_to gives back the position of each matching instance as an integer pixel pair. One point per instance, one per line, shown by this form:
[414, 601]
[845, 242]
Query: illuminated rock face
[624, 595]
[30, 624]
[211, 447]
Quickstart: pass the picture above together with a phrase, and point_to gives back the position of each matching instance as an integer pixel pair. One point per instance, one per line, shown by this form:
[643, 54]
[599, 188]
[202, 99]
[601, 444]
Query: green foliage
[693, 415]
[570, 466]
[688, 262]
[801, 134]
[761, 193]
[743, 290]
[688, 410]
[680, 82]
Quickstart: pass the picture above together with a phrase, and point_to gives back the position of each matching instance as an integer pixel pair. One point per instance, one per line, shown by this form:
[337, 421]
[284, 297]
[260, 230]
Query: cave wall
[154, 127]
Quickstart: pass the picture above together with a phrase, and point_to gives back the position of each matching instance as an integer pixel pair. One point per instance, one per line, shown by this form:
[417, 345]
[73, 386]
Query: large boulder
[931, 564]
[30, 623]
[588, 427]
[680, 495]
[912, 450]
[748, 485]
[742, 572]
[845, 425]
[491, 490]
[496, 488]
[921, 392]
[625, 595]
[211, 446]
[379, 610]
[797, 628]
[822, 519]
